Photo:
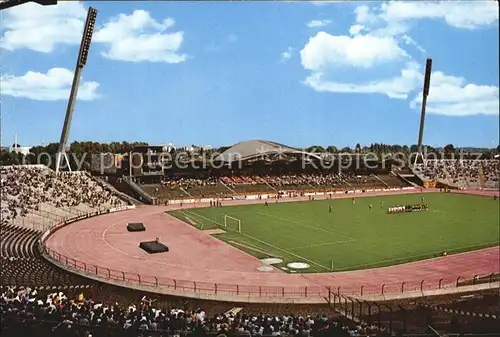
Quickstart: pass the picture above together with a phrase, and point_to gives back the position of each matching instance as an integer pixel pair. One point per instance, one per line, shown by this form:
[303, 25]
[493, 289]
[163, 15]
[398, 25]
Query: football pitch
[352, 236]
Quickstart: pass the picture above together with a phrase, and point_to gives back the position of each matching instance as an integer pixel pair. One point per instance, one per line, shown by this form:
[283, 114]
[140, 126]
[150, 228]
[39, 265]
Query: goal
[232, 223]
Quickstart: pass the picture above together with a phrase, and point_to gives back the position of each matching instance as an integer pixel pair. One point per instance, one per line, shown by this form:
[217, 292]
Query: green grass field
[351, 236]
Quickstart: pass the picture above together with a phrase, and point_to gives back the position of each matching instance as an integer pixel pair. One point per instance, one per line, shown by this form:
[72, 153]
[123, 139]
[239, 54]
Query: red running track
[198, 261]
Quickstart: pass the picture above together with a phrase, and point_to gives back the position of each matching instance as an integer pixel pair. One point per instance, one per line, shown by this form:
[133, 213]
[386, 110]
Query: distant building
[145, 162]
[167, 148]
[20, 149]
[196, 148]
[105, 163]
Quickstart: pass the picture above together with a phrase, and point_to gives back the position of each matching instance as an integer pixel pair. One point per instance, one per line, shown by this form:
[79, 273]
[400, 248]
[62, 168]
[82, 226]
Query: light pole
[12, 3]
[80, 63]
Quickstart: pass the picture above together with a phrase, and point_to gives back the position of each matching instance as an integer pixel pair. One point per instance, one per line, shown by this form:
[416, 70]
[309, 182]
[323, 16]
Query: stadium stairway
[229, 188]
[185, 192]
[271, 187]
[408, 178]
[123, 195]
[395, 180]
[136, 188]
[345, 182]
[380, 179]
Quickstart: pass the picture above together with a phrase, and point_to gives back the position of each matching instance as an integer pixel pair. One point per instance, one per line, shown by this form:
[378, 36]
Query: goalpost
[232, 223]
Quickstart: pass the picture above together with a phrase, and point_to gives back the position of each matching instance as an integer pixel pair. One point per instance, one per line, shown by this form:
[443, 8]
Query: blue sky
[219, 73]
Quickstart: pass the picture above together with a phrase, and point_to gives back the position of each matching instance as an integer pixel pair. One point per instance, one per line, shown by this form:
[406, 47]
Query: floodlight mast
[13, 3]
[80, 63]
[425, 93]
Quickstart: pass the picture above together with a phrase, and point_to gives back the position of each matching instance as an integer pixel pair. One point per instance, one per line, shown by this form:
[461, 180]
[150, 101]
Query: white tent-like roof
[254, 148]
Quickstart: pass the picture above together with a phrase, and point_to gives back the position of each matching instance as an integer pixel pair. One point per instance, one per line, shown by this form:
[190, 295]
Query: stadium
[254, 239]
[246, 242]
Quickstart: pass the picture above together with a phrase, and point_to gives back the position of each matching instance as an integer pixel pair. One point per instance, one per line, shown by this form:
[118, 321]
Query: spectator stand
[35, 197]
[461, 173]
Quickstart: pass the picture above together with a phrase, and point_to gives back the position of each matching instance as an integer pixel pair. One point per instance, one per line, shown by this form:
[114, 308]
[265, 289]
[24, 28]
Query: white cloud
[318, 23]
[378, 37]
[356, 29]
[324, 3]
[286, 55]
[324, 51]
[41, 28]
[458, 14]
[126, 39]
[409, 41]
[391, 18]
[55, 85]
[453, 96]
[448, 95]
[136, 37]
[364, 15]
[397, 87]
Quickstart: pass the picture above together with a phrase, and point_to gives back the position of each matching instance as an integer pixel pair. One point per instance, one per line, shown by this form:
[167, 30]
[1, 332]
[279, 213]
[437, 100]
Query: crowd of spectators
[188, 183]
[27, 189]
[23, 310]
[228, 186]
[491, 171]
[460, 172]
[328, 180]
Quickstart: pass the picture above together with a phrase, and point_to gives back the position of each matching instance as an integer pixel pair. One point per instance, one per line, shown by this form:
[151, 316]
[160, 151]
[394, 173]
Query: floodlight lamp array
[427, 79]
[87, 36]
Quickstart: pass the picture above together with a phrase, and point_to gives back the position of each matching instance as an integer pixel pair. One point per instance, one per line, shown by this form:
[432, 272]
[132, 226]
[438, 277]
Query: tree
[11, 158]
[76, 147]
[449, 148]
[222, 149]
[315, 148]
[332, 149]
[449, 151]
[358, 148]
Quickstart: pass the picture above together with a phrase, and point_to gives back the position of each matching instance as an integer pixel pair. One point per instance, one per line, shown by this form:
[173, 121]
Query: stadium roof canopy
[251, 149]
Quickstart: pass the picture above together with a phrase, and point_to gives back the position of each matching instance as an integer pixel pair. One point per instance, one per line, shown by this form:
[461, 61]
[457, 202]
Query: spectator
[28, 189]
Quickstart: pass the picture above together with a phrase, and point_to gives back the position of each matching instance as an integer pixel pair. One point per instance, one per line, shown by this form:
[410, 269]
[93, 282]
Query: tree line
[82, 151]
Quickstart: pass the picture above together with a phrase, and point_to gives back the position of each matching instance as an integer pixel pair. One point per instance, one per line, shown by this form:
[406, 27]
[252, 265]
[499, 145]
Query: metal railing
[323, 293]
[210, 288]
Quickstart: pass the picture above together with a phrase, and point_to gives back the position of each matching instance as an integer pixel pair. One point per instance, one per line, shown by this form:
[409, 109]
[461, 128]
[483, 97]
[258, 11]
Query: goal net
[232, 223]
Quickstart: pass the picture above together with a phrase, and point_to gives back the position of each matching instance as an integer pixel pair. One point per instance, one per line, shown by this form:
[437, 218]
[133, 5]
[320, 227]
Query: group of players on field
[395, 209]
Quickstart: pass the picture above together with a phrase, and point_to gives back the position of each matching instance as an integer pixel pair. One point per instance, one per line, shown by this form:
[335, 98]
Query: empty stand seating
[186, 188]
[23, 264]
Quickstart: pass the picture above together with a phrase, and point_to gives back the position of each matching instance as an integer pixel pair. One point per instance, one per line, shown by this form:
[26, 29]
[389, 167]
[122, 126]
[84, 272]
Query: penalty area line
[267, 244]
[249, 246]
[322, 244]
[191, 221]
